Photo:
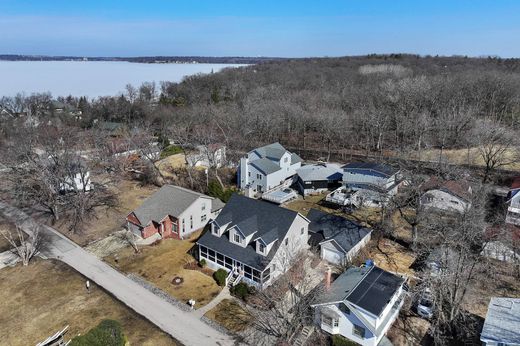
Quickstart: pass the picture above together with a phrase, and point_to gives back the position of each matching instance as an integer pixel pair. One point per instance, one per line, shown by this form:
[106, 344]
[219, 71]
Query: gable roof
[502, 322]
[274, 151]
[457, 188]
[266, 166]
[380, 168]
[264, 220]
[344, 232]
[328, 171]
[370, 288]
[169, 200]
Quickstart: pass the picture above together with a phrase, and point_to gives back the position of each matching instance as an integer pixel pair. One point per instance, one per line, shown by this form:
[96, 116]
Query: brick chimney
[328, 275]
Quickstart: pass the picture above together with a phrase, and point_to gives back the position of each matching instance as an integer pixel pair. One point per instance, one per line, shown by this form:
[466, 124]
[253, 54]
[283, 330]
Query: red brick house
[173, 212]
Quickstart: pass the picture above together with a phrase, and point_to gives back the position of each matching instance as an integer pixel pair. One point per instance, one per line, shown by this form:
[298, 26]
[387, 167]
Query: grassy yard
[44, 297]
[130, 195]
[160, 263]
[230, 315]
[303, 206]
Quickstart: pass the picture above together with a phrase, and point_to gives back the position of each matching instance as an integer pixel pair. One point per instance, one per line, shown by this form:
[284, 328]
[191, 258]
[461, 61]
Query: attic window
[261, 247]
[236, 238]
[286, 159]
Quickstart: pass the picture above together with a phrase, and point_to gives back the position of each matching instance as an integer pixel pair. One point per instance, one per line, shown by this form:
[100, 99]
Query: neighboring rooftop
[268, 221]
[275, 151]
[502, 322]
[170, 200]
[380, 168]
[369, 288]
[325, 171]
[345, 232]
[458, 188]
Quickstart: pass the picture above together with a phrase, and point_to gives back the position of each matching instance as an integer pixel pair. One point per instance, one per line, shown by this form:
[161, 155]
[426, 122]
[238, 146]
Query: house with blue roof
[266, 168]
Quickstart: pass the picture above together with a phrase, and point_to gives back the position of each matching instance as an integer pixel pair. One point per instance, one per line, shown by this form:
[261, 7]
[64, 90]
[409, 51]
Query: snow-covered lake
[90, 78]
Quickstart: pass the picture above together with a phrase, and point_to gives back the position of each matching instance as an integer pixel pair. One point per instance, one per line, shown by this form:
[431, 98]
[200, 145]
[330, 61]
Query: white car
[425, 305]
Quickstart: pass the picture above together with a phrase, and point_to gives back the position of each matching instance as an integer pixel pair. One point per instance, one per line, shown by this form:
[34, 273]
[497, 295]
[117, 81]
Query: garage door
[331, 255]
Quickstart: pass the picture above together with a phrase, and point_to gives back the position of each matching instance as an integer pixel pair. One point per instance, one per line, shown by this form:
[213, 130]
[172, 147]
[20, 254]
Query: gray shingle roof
[273, 151]
[169, 200]
[295, 158]
[265, 165]
[345, 232]
[503, 321]
[250, 216]
[343, 285]
[371, 166]
[328, 171]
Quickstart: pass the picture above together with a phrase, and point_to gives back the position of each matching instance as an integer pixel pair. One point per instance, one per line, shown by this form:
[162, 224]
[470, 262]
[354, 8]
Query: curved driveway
[184, 326]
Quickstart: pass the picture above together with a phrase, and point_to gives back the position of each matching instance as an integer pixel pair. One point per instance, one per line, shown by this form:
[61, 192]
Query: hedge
[106, 333]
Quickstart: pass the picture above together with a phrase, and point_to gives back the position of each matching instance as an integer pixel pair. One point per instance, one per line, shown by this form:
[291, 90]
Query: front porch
[243, 272]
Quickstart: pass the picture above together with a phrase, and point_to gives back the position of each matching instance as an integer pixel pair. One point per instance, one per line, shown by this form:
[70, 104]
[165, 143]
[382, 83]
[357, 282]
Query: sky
[283, 28]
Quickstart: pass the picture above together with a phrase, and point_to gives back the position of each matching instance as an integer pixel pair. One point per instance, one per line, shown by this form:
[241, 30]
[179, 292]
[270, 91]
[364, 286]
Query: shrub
[215, 190]
[242, 290]
[106, 333]
[170, 150]
[202, 263]
[220, 277]
[338, 340]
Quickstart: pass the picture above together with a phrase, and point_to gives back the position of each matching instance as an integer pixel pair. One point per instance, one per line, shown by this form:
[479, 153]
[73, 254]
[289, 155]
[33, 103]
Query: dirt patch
[195, 266]
[177, 280]
[160, 263]
[173, 161]
[47, 295]
[409, 330]
[229, 314]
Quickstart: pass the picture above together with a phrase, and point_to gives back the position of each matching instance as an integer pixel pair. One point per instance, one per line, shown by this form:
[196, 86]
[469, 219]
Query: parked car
[425, 305]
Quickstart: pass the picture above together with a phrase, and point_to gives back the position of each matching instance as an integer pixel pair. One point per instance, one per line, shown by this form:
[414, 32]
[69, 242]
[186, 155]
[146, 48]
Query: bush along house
[361, 304]
[254, 241]
[173, 212]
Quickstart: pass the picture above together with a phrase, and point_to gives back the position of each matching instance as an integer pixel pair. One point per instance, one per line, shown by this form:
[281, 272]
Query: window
[203, 218]
[183, 226]
[259, 176]
[236, 238]
[286, 241]
[359, 331]
[302, 230]
[344, 308]
[214, 229]
[335, 323]
[191, 221]
[261, 247]
[175, 227]
[454, 201]
[203, 206]
[286, 159]
[249, 174]
[327, 320]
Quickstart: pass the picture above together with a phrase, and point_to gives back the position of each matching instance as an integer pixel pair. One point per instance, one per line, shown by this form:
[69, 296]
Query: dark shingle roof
[273, 151]
[370, 288]
[375, 290]
[371, 166]
[264, 219]
[169, 200]
[265, 165]
[345, 232]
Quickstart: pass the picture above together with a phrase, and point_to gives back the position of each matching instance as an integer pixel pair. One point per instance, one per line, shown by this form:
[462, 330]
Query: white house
[446, 195]
[338, 238]
[361, 304]
[366, 184]
[265, 168]
[213, 155]
[76, 179]
[173, 212]
[502, 324]
[253, 240]
[513, 210]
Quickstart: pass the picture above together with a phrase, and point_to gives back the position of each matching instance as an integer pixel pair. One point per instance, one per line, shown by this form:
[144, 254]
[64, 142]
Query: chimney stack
[328, 275]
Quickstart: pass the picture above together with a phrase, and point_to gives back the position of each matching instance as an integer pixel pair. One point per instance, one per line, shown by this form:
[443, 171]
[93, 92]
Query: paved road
[183, 326]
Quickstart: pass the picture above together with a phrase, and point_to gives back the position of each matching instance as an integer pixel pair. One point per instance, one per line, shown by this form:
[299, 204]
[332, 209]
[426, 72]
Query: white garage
[332, 253]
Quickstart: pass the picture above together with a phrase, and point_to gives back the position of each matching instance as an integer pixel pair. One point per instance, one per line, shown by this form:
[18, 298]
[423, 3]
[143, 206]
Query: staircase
[305, 333]
[234, 280]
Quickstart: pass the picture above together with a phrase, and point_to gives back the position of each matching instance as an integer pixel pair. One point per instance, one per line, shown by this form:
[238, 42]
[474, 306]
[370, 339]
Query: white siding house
[254, 241]
[446, 195]
[361, 304]
[265, 168]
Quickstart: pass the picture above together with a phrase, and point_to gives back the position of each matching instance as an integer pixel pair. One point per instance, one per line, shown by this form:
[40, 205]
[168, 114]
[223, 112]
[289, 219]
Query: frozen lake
[90, 78]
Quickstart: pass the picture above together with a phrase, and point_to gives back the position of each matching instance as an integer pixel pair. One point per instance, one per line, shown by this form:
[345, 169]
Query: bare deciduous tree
[24, 246]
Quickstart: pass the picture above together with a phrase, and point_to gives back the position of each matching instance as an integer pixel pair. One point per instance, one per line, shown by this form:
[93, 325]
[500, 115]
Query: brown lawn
[160, 263]
[388, 255]
[229, 314]
[130, 196]
[41, 299]
[173, 161]
[304, 205]
[409, 330]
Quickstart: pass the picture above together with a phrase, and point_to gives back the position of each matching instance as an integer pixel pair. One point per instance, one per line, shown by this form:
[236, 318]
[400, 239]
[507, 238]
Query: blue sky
[259, 28]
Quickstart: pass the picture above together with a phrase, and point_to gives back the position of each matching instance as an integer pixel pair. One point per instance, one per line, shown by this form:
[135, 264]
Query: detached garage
[318, 178]
[338, 239]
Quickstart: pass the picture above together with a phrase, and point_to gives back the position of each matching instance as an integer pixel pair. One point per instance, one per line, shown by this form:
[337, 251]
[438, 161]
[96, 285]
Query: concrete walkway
[224, 294]
[184, 326]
